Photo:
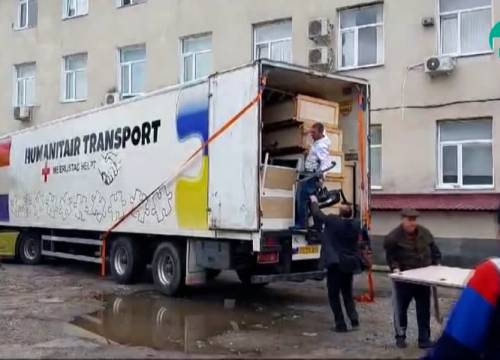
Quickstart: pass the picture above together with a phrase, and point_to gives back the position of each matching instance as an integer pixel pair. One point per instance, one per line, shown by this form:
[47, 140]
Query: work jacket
[339, 241]
[404, 253]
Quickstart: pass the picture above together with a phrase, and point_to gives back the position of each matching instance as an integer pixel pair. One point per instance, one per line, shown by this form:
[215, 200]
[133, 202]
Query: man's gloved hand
[313, 198]
[396, 271]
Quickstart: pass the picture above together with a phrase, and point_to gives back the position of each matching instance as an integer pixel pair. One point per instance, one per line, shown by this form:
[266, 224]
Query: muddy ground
[64, 310]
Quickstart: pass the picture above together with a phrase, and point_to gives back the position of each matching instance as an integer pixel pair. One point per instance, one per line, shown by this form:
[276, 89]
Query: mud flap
[195, 275]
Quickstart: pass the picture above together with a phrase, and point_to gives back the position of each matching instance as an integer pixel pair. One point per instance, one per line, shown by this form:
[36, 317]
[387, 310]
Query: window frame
[25, 79]
[65, 9]
[459, 144]
[129, 64]
[18, 20]
[269, 43]
[65, 72]
[376, 146]
[459, 13]
[356, 37]
[194, 55]
[120, 4]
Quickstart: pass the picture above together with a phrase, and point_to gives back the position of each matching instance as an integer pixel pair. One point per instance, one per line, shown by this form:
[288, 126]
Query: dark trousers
[304, 190]
[339, 282]
[405, 293]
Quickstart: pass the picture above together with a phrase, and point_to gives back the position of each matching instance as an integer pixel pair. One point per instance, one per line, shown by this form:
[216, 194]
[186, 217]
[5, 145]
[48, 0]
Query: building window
[196, 57]
[121, 3]
[75, 77]
[132, 70]
[361, 36]
[73, 8]
[465, 153]
[25, 84]
[273, 41]
[27, 13]
[464, 26]
[376, 156]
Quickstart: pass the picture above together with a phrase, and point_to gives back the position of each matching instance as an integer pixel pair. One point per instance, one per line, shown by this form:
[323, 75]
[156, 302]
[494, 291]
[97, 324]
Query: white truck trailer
[229, 205]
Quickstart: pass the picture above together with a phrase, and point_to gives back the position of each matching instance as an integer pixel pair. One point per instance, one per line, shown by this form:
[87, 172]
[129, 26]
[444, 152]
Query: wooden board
[277, 207]
[444, 276]
[278, 177]
[317, 110]
[282, 111]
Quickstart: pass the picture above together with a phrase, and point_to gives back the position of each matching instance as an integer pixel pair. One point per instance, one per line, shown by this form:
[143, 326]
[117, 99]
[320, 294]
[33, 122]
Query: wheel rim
[166, 269]
[121, 261]
[30, 249]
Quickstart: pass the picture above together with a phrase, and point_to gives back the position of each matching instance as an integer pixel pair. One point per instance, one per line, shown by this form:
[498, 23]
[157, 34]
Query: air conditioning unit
[318, 28]
[23, 113]
[111, 98]
[319, 56]
[437, 65]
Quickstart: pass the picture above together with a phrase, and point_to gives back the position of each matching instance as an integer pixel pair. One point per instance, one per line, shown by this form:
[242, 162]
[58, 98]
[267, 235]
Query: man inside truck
[318, 159]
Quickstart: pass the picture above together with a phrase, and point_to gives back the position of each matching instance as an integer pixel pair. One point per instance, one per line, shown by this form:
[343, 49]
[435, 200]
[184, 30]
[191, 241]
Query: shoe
[340, 328]
[355, 324]
[401, 343]
[425, 344]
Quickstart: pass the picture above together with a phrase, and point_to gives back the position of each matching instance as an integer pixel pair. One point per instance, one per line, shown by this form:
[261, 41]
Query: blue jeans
[304, 190]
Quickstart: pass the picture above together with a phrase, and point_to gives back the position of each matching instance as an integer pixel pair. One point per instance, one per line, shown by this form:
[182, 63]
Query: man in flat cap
[411, 246]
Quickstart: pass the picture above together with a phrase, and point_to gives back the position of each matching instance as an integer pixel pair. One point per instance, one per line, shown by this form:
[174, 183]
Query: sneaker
[425, 344]
[355, 324]
[401, 343]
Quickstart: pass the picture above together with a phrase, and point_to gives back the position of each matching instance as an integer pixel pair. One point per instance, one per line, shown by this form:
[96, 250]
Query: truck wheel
[126, 260]
[245, 277]
[168, 269]
[30, 248]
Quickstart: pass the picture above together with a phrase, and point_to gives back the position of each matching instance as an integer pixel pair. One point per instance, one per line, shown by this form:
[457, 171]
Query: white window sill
[459, 56]
[129, 96]
[359, 67]
[16, 28]
[64, 101]
[377, 188]
[464, 188]
[65, 18]
[130, 5]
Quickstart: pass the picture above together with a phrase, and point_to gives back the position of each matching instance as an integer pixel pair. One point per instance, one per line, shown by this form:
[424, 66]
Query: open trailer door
[234, 156]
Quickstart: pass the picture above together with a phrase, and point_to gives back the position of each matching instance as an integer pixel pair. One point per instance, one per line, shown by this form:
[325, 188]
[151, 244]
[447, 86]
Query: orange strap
[365, 211]
[179, 170]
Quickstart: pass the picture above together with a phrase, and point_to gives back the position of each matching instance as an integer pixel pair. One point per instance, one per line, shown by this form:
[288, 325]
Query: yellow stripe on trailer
[8, 243]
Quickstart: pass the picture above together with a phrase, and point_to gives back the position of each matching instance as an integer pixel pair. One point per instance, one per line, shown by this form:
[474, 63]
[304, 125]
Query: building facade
[434, 139]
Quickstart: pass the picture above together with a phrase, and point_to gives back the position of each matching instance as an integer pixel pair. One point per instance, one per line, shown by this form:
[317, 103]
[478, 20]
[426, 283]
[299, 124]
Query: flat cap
[409, 213]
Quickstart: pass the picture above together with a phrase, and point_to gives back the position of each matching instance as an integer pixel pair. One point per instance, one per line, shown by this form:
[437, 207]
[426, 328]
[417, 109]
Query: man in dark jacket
[339, 256]
[411, 246]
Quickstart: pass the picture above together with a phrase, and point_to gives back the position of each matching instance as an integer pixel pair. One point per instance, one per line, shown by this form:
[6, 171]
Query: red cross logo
[45, 172]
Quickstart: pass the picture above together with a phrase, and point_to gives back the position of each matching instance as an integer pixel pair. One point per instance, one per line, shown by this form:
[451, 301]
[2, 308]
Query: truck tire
[126, 260]
[168, 269]
[30, 248]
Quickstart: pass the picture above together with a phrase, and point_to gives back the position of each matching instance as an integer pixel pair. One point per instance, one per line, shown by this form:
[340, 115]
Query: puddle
[176, 324]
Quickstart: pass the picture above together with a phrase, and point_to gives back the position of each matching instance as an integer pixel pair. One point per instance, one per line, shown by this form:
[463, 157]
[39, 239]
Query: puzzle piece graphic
[38, 204]
[65, 206]
[117, 205]
[142, 211]
[80, 207]
[97, 206]
[162, 206]
[51, 205]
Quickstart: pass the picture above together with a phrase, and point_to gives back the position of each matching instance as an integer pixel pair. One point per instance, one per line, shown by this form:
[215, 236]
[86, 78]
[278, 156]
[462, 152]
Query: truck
[190, 180]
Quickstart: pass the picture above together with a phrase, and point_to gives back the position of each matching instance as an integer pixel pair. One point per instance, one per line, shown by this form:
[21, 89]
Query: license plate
[310, 249]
